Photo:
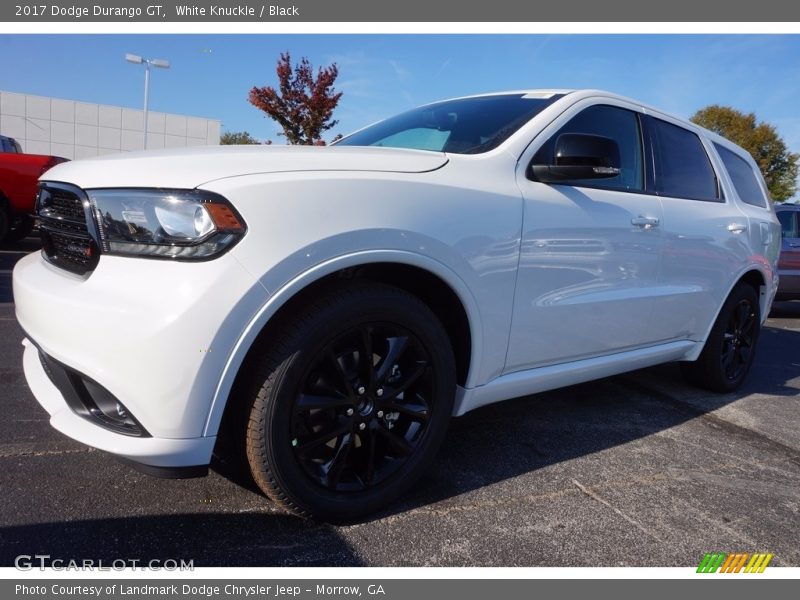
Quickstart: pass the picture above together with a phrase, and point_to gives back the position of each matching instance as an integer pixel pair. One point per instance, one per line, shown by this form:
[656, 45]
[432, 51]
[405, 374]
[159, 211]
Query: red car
[19, 174]
[789, 261]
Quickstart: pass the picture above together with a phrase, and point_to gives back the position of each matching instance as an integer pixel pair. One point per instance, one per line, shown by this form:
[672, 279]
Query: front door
[591, 250]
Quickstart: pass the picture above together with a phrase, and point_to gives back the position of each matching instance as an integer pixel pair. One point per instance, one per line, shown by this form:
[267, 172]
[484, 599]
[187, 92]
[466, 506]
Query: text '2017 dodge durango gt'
[327, 310]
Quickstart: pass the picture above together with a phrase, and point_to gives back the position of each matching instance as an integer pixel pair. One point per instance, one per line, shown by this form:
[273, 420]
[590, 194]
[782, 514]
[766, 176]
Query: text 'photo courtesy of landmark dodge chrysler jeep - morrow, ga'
[325, 311]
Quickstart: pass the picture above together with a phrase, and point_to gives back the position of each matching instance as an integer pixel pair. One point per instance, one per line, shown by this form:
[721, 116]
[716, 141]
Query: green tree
[777, 164]
[234, 138]
[303, 104]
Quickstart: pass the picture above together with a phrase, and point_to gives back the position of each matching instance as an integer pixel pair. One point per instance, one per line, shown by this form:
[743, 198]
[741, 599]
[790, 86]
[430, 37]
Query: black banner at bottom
[389, 589]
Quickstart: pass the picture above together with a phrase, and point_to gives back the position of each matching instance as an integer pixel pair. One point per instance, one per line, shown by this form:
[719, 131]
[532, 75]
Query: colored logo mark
[743, 562]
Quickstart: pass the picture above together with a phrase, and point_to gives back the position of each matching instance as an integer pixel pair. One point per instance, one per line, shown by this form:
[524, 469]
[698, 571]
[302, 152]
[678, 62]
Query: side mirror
[580, 156]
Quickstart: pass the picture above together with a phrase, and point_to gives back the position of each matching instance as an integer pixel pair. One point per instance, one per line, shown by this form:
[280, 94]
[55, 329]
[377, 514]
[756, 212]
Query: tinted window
[419, 138]
[744, 178]
[608, 121]
[464, 126]
[683, 169]
[8, 144]
[788, 223]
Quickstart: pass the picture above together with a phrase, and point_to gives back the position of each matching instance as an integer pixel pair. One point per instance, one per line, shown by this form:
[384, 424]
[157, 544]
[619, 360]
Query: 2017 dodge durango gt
[327, 310]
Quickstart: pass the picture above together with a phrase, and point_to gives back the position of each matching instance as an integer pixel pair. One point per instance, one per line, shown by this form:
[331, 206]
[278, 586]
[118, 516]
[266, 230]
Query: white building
[79, 129]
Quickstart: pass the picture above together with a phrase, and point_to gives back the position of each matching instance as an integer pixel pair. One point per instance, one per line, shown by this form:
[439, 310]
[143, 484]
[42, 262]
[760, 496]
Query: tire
[3, 224]
[333, 435]
[731, 346]
[20, 229]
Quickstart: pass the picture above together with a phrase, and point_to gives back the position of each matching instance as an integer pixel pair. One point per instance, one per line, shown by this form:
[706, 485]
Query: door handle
[737, 227]
[645, 222]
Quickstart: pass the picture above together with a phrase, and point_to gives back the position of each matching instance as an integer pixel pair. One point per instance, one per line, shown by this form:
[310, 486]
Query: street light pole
[147, 62]
[146, 98]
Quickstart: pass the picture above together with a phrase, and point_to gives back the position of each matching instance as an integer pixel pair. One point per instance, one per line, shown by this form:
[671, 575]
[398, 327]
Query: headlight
[180, 224]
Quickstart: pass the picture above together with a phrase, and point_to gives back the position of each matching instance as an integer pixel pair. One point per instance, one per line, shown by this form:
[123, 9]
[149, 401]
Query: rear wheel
[20, 228]
[351, 402]
[730, 348]
[4, 222]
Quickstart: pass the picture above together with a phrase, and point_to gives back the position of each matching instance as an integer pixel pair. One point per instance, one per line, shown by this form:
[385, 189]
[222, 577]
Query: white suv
[328, 309]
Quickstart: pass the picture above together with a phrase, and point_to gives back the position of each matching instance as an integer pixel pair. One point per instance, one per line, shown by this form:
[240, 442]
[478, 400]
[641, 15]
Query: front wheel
[731, 346]
[350, 403]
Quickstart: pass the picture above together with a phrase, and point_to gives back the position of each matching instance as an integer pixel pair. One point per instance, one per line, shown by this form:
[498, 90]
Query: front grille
[67, 227]
[64, 224]
[71, 252]
[64, 205]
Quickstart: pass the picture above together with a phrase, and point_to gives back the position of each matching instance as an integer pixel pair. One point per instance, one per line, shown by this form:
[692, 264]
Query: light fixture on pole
[154, 62]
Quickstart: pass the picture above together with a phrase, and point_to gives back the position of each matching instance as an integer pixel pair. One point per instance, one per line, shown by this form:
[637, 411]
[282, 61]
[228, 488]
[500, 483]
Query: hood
[191, 167]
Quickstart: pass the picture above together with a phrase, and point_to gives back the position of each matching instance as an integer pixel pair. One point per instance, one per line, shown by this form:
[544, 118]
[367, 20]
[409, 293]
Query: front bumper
[155, 334]
[148, 451]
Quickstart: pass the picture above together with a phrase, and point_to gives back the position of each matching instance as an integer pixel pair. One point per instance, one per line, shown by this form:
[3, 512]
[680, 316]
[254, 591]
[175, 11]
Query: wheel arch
[758, 281]
[431, 281]
[753, 276]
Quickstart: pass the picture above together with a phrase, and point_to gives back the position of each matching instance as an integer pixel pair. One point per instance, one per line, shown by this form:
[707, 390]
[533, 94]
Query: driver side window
[612, 122]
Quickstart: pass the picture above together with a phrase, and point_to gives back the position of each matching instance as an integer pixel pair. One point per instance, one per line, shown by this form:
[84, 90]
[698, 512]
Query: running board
[541, 379]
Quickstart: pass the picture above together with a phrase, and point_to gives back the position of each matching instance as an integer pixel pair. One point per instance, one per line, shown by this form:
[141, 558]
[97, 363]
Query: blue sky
[381, 75]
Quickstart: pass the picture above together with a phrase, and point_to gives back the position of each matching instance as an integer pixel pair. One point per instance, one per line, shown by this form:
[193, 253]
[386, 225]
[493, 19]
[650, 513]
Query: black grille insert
[61, 204]
[65, 223]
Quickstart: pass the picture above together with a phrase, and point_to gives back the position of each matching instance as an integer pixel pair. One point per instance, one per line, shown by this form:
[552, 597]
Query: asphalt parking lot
[635, 470]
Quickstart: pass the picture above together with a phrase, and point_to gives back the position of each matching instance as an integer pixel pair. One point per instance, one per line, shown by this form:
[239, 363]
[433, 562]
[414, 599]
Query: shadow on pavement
[785, 310]
[210, 539]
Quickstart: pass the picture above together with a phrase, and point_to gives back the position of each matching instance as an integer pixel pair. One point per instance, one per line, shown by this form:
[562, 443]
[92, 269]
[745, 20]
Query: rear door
[705, 233]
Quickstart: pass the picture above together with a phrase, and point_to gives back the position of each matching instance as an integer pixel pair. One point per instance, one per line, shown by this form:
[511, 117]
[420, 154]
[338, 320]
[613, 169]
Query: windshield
[464, 126]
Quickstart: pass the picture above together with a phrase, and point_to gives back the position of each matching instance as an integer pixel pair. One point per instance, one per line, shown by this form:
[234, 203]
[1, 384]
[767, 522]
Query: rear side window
[683, 169]
[744, 178]
[788, 219]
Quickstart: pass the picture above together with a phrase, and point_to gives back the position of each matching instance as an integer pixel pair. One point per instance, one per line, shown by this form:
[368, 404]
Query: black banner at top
[442, 11]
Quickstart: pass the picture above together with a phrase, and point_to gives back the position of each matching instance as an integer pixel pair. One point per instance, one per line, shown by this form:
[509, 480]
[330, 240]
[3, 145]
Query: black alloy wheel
[350, 401]
[363, 407]
[738, 341]
[730, 349]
